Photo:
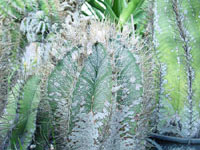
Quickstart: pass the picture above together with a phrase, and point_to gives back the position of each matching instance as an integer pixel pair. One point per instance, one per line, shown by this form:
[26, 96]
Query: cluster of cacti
[72, 83]
[90, 101]
[94, 99]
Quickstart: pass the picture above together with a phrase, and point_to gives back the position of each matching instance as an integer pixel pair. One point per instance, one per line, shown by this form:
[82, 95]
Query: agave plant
[178, 53]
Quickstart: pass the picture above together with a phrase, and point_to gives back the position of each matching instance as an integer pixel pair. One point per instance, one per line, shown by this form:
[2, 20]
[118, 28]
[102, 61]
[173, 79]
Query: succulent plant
[89, 93]
[178, 55]
[82, 85]
[18, 121]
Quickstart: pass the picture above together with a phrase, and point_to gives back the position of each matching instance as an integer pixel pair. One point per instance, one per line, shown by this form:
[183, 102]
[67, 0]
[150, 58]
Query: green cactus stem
[22, 109]
[176, 26]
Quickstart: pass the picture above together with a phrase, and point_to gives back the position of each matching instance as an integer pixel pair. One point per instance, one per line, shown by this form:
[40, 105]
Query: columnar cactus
[176, 40]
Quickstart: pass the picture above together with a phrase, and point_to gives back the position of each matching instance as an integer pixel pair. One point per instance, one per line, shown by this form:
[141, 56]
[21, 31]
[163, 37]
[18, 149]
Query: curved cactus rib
[8, 117]
[24, 124]
[128, 97]
[61, 84]
[91, 103]
[178, 54]
[189, 11]
[90, 88]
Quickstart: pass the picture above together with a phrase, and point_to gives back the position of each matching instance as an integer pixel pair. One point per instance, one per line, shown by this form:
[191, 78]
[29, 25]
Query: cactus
[17, 9]
[11, 44]
[176, 42]
[20, 115]
[60, 87]
[89, 100]
[91, 96]
[35, 17]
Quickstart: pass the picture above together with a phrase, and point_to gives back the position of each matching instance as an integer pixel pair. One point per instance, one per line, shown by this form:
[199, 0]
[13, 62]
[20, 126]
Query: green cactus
[129, 96]
[36, 17]
[60, 88]
[104, 81]
[92, 94]
[11, 44]
[176, 28]
[20, 115]
[17, 9]
[92, 100]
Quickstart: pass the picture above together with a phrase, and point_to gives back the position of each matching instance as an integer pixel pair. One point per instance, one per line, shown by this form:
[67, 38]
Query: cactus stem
[186, 48]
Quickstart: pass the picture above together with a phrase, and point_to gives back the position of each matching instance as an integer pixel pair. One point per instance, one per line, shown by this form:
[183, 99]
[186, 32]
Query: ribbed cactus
[60, 87]
[109, 83]
[11, 44]
[87, 92]
[19, 120]
[17, 9]
[176, 40]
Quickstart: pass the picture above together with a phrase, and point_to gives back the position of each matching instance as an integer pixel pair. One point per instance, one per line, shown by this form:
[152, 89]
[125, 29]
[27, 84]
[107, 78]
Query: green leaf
[109, 12]
[118, 6]
[95, 12]
[126, 12]
[100, 17]
[96, 5]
